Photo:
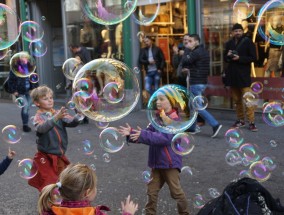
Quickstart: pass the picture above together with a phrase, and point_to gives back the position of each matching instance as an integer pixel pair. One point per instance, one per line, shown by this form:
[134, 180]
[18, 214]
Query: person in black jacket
[239, 54]
[195, 62]
[7, 161]
[20, 87]
[153, 60]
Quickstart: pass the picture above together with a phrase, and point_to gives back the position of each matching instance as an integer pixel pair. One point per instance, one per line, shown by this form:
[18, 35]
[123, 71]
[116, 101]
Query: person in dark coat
[164, 162]
[153, 60]
[7, 161]
[195, 62]
[239, 53]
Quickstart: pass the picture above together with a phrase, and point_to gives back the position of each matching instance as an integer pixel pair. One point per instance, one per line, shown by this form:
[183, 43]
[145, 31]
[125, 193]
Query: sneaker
[197, 130]
[238, 124]
[216, 130]
[252, 127]
[26, 128]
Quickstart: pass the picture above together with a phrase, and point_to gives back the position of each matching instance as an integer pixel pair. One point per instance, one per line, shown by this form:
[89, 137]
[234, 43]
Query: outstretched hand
[125, 131]
[61, 114]
[135, 134]
[11, 154]
[129, 206]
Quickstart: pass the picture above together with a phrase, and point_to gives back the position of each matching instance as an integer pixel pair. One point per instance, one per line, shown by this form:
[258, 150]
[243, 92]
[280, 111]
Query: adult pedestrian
[153, 60]
[20, 86]
[196, 63]
[81, 53]
[239, 54]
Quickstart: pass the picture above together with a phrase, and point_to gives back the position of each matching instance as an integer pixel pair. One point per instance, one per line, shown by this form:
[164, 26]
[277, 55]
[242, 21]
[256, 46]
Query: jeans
[152, 78]
[237, 95]
[26, 108]
[197, 90]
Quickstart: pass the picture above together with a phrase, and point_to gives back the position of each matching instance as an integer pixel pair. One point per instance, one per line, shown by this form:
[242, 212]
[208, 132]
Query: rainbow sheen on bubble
[136, 70]
[31, 31]
[243, 9]
[146, 176]
[198, 201]
[11, 134]
[101, 109]
[256, 87]
[56, 196]
[83, 100]
[273, 143]
[234, 137]
[70, 105]
[268, 163]
[248, 152]
[34, 78]
[88, 147]
[141, 17]
[172, 120]
[112, 94]
[200, 102]
[22, 64]
[108, 12]
[102, 125]
[71, 67]
[273, 114]
[10, 31]
[259, 172]
[106, 157]
[110, 140]
[183, 143]
[186, 170]
[21, 102]
[266, 24]
[213, 192]
[27, 168]
[233, 158]
[38, 48]
[244, 173]
[250, 99]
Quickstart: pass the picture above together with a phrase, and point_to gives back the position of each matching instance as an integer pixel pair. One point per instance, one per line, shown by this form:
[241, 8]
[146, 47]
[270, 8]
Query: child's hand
[124, 131]
[61, 114]
[129, 206]
[135, 134]
[11, 154]
[167, 120]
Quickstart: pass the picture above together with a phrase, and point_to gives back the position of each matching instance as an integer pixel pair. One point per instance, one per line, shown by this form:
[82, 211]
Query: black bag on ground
[243, 197]
[6, 85]
[226, 79]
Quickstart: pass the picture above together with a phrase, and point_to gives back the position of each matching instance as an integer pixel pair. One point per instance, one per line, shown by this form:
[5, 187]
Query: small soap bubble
[93, 167]
[198, 201]
[213, 192]
[88, 147]
[11, 134]
[27, 168]
[106, 157]
[21, 102]
[273, 143]
[200, 102]
[146, 176]
[186, 171]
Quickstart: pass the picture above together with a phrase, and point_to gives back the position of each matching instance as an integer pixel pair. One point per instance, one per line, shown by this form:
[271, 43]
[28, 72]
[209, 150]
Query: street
[122, 175]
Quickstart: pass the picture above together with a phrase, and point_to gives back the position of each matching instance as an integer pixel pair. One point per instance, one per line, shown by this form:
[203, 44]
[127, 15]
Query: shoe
[216, 130]
[85, 120]
[238, 124]
[197, 130]
[26, 128]
[252, 127]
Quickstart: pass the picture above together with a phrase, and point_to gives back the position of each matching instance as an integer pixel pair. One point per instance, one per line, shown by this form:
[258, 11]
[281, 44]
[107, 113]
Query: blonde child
[77, 186]
[163, 161]
[50, 126]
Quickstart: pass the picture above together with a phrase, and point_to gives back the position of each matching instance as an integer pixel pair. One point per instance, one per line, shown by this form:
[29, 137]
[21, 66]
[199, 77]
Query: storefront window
[101, 41]
[218, 18]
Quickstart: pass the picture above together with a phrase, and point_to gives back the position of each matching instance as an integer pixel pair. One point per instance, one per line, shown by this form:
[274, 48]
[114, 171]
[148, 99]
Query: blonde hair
[39, 92]
[76, 180]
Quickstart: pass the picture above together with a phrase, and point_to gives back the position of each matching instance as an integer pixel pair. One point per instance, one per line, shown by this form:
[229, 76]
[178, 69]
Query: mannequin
[272, 68]
[247, 32]
[118, 40]
[87, 34]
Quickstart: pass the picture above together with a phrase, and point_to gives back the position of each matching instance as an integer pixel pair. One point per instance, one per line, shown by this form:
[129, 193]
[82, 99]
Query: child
[6, 162]
[51, 141]
[163, 161]
[77, 186]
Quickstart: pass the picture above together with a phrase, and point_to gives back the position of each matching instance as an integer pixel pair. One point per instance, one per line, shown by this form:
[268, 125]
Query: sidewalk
[123, 174]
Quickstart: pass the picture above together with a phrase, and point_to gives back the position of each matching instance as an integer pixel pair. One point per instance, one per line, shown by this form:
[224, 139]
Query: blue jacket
[4, 165]
[18, 84]
[161, 155]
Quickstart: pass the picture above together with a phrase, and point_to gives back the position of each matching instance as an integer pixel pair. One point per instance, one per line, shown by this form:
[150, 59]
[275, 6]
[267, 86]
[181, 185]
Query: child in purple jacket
[163, 161]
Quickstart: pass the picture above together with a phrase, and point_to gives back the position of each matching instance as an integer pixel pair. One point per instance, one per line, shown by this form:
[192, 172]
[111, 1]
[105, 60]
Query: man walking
[196, 63]
[153, 60]
[239, 54]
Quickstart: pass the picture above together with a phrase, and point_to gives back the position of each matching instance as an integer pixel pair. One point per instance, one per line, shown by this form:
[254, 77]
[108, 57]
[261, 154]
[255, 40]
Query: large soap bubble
[107, 12]
[31, 31]
[273, 114]
[22, 64]
[144, 18]
[170, 109]
[9, 27]
[123, 97]
[71, 67]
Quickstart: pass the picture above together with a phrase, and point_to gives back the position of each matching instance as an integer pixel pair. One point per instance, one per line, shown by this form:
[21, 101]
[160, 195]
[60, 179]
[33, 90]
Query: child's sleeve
[43, 125]
[152, 137]
[4, 165]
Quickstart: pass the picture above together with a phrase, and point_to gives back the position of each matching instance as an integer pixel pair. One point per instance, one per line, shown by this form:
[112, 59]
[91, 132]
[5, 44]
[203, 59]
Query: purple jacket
[161, 155]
